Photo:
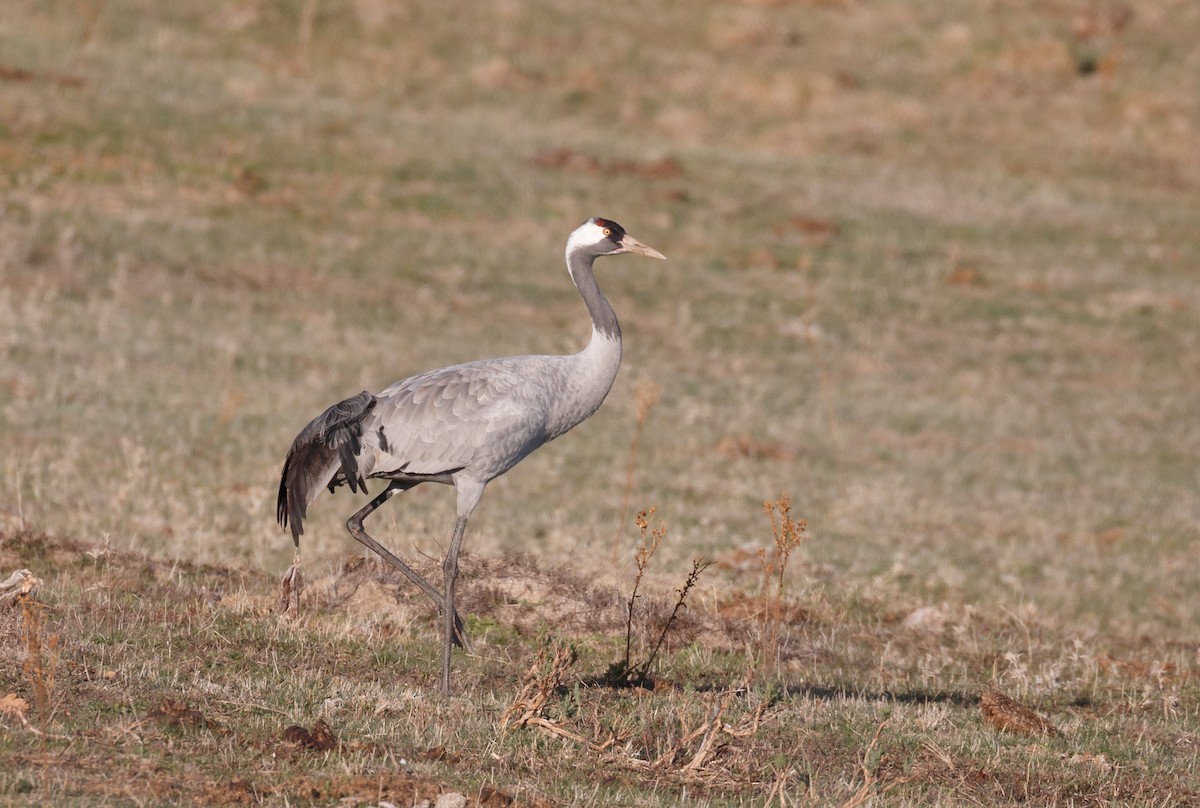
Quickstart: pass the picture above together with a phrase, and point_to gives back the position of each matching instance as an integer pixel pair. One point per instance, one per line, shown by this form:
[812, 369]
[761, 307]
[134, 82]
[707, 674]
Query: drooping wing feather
[331, 441]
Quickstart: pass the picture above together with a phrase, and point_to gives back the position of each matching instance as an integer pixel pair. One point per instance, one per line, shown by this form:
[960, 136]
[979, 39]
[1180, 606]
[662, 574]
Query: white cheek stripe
[587, 234]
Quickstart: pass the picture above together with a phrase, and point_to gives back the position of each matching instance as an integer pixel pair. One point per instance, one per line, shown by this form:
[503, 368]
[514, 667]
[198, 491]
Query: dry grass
[932, 271]
[180, 683]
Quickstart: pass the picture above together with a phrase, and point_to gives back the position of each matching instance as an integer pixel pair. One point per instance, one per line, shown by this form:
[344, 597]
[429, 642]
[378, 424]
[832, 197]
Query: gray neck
[585, 377]
[604, 319]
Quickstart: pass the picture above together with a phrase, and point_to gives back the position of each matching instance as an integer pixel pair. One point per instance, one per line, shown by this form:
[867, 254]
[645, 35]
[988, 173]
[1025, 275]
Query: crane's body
[463, 425]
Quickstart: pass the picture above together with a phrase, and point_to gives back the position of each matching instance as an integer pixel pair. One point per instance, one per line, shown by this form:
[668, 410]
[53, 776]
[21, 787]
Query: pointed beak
[631, 245]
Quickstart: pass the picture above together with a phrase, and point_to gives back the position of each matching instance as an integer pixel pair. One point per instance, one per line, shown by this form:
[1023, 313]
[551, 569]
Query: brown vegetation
[932, 271]
[189, 666]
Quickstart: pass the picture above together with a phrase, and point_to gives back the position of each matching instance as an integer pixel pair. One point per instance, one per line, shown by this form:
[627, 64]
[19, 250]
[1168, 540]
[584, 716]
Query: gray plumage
[463, 425]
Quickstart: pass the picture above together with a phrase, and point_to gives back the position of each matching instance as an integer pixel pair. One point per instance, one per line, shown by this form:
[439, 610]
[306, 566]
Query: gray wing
[330, 445]
[484, 416]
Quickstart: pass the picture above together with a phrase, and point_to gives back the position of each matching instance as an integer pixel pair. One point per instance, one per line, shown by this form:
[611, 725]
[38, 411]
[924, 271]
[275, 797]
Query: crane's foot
[291, 586]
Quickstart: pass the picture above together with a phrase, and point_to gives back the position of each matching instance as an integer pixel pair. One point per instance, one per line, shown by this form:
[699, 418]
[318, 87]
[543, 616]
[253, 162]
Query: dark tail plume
[334, 434]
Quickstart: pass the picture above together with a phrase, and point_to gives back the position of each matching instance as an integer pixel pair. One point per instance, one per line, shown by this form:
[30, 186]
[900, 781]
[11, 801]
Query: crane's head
[599, 236]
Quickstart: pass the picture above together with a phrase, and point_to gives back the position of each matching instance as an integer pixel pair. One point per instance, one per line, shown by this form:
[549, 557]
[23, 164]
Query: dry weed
[41, 656]
[651, 538]
[13, 705]
[699, 565]
[870, 786]
[710, 729]
[624, 672]
[788, 534]
[547, 673]
[543, 679]
[714, 735]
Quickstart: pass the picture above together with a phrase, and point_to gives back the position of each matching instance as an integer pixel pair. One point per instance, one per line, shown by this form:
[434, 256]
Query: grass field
[933, 273]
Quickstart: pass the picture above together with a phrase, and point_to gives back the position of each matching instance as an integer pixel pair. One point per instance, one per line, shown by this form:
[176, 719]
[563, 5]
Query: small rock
[926, 618]
[451, 799]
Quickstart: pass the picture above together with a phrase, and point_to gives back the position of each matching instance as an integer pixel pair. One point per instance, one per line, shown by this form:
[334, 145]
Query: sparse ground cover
[174, 682]
[933, 272]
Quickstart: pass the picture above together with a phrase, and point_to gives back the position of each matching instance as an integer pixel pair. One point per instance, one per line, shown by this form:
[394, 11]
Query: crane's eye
[607, 232]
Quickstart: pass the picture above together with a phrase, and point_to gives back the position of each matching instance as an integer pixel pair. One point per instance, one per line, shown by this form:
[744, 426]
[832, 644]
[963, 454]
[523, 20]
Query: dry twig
[544, 676]
[699, 565]
[556, 729]
[711, 728]
[870, 778]
[779, 788]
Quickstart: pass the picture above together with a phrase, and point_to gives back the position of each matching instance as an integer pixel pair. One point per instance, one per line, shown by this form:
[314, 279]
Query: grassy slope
[925, 275]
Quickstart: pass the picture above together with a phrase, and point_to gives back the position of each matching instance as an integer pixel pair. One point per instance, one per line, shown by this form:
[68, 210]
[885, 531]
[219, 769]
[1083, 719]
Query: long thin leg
[355, 525]
[450, 571]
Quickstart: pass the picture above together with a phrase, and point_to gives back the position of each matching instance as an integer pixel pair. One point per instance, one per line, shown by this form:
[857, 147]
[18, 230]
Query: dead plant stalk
[651, 538]
[544, 677]
[788, 534]
[41, 655]
[699, 565]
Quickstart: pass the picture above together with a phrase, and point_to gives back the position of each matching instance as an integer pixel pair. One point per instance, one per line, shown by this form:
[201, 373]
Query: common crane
[463, 425]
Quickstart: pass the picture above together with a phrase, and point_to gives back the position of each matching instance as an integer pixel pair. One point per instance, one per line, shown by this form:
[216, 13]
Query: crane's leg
[355, 525]
[450, 572]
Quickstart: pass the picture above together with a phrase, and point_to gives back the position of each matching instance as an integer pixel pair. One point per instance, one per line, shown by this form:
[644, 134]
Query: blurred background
[933, 272]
